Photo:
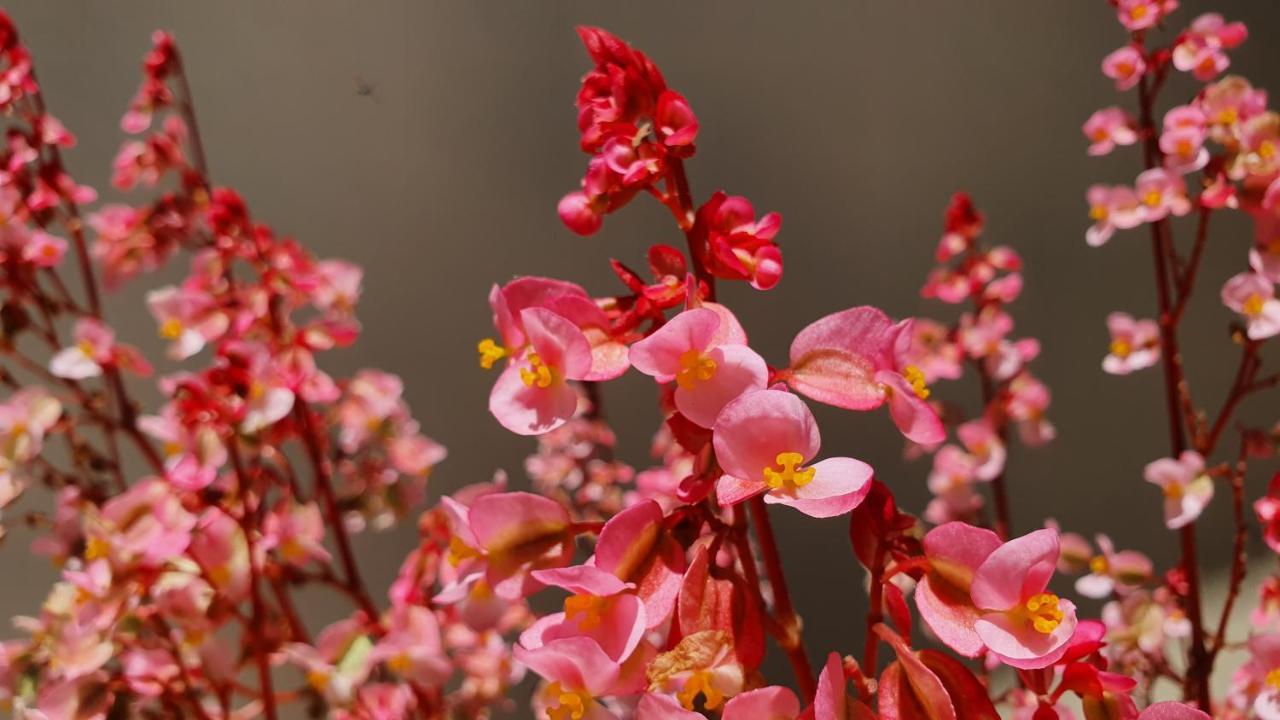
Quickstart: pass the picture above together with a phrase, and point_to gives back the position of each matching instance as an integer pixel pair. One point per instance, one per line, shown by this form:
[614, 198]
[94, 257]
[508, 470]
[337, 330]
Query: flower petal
[755, 428]
[528, 410]
[659, 354]
[839, 484]
[1016, 570]
[738, 370]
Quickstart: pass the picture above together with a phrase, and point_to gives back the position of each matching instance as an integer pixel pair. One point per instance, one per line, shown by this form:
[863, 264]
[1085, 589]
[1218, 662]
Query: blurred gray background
[430, 141]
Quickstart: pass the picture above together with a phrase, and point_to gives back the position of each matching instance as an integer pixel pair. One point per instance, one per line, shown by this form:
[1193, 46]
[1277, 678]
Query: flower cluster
[646, 593]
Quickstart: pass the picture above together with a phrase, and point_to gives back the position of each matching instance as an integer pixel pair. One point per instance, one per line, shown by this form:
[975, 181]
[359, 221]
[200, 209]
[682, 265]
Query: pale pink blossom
[1200, 48]
[1112, 208]
[1254, 298]
[1162, 193]
[980, 593]
[1135, 344]
[95, 348]
[189, 319]
[1143, 14]
[1125, 66]
[1108, 128]
[764, 441]
[1187, 488]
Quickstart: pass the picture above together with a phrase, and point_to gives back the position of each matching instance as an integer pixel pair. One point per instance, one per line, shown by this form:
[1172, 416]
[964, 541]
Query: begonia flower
[1135, 344]
[764, 441]
[1254, 298]
[708, 373]
[1187, 488]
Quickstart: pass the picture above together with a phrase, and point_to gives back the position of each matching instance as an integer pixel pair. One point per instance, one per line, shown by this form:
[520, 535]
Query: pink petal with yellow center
[839, 484]
[738, 370]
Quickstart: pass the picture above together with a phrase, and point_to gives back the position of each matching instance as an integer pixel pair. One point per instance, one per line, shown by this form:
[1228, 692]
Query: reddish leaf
[896, 605]
[968, 695]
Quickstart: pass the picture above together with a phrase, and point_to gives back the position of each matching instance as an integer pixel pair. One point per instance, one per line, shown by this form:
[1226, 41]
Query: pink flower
[709, 370]
[1162, 193]
[1187, 489]
[933, 352]
[1229, 102]
[600, 607]
[1200, 48]
[95, 348]
[1184, 149]
[1257, 678]
[297, 532]
[1112, 208]
[1125, 66]
[412, 647]
[508, 535]
[635, 547]
[1029, 398]
[1264, 256]
[851, 359]
[1108, 128]
[1267, 508]
[1143, 14]
[44, 250]
[577, 673]
[739, 247]
[1135, 344]
[763, 442]
[189, 319]
[1253, 296]
[984, 446]
[532, 395]
[1108, 569]
[982, 594]
[145, 526]
[569, 301]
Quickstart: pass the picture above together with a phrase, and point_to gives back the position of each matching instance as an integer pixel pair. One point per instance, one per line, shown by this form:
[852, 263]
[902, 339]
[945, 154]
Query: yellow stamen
[490, 352]
[1267, 150]
[171, 329]
[318, 679]
[1273, 678]
[1121, 348]
[1173, 491]
[565, 704]
[538, 374]
[96, 548]
[87, 348]
[1137, 12]
[459, 551]
[400, 663]
[1228, 116]
[1253, 305]
[587, 608]
[699, 683]
[1152, 198]
[916, 378]
[1043, 612]
[1099, 565]
[790, 475]
[1098, 213]
[694, 368]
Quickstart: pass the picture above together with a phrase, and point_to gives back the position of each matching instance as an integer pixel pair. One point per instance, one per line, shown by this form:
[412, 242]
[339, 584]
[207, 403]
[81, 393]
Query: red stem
[1196, 685]
[875, 612]
[1239, 564]
[324, 488]
[685, 218]
[792, 639]
[255, 593]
